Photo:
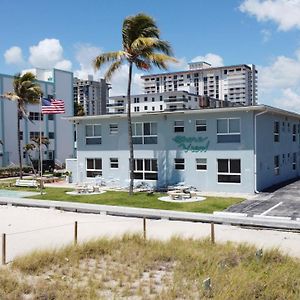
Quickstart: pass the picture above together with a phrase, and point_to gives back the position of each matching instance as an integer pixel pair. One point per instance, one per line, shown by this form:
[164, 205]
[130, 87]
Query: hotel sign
[192, 144]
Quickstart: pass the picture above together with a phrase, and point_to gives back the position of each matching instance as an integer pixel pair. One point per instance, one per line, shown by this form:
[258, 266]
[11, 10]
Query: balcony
[115, 104]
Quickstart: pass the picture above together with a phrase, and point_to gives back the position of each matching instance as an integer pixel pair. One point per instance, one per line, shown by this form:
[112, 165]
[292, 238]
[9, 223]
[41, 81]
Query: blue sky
[68, 34]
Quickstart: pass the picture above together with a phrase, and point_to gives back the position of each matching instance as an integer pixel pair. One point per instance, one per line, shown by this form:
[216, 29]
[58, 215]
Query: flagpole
[41, 152]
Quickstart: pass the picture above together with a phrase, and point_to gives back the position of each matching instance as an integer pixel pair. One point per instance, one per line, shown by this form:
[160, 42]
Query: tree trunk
[130, 142]
[19, 113]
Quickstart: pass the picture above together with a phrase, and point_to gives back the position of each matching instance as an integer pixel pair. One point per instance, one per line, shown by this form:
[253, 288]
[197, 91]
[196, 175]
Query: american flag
[53, 106]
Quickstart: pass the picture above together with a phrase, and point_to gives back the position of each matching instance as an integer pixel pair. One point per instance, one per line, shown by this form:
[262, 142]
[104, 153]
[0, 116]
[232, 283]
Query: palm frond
[111, 70]
[103, 58]
[147, 44]
[160, 60]
[10, 96]
[142, 64]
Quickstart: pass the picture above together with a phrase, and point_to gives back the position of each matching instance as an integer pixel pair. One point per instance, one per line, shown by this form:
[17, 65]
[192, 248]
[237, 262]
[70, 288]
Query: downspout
[255, 146]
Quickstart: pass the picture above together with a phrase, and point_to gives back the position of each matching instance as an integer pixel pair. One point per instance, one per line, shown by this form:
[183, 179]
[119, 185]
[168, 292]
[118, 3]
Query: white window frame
[93, 169]
[179, 161]
[93, 136]
[201, 127]
[178, 128]
[113, 128]
[238, 133]
[145, 173]
[229, 173]
[144, 137]
[200, 162]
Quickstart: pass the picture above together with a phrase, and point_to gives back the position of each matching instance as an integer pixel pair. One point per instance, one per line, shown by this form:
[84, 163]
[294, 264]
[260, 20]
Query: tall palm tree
[25, 91]
[142, 48]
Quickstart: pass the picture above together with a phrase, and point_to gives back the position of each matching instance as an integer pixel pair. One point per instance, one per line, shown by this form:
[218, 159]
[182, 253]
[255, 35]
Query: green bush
[13, 171]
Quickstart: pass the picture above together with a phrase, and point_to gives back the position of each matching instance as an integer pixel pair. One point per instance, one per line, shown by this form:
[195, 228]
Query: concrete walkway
[217, 217]
[28, 229]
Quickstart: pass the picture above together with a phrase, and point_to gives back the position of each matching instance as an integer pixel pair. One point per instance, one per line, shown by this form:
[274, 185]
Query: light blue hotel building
[236, 149]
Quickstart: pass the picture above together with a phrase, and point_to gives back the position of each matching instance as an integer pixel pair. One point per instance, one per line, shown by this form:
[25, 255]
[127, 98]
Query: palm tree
[142, 48]
[26, 91]
[35, 145]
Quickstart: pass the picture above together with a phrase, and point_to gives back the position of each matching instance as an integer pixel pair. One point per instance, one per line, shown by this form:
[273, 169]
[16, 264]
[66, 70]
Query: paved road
[284, 202]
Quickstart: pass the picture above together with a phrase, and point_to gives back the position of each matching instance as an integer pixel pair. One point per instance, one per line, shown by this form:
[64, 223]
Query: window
[161, 107]
[276, 164]
[51, 135]
[93, 134]
[294, 132]
[145, 169]
[35, 116]
[200, 125]
[21, 135]
[179, 163]
[145, 107]
[276, 131]
[35, 134]
[113, 128]
[179, 126]
[153, 108]
[145, 99]
[201, 164]
[144, 133]
[114, 163]
[228, 130]
[294, 161]
[93, 167]
[229, 170]
[50, 117]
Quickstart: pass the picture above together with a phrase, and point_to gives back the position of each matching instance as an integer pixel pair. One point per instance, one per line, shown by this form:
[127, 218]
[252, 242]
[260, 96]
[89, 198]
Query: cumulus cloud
[289, 99]
[48, 54]
[285, 13]
[14, 55]
[85, 54]
[214, 59]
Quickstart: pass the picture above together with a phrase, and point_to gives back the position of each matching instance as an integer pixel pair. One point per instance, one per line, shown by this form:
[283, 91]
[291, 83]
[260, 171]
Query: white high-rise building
[92, 95]
[237, 83]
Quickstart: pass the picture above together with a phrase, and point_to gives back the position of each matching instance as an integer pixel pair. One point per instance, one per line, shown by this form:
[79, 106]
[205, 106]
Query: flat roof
[196, 70]
[259, 108]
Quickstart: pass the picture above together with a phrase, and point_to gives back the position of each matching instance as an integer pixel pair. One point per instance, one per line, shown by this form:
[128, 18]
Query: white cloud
[14, 55]
[266, 35]
[64, 65]
[285, 13]
[289, 99]
[214, 59]
[181, 64]
[47, 54]
[284, 72]
[119, 82]
[85, 54]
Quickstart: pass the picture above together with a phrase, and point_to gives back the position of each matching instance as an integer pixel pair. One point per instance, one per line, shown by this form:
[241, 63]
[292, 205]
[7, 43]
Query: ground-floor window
[276, 164]
[201, 164]
[145, 169]
[294, 160]
[179, 163]
[93, 167]
[229, 170]
[114, 163]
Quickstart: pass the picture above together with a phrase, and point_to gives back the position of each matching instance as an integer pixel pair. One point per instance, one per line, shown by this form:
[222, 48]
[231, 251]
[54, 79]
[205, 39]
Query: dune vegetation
[131, 268]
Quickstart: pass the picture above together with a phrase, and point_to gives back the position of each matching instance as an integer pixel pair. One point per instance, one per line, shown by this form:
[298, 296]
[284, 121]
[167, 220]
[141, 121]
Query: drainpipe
[255, 146]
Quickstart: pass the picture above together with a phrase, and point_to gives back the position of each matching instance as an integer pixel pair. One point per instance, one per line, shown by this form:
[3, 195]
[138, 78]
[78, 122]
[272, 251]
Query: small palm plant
[142, 48]
[25, 91]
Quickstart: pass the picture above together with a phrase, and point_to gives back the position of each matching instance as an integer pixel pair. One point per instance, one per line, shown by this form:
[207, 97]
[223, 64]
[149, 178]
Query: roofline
[196, 70]
[260, 107]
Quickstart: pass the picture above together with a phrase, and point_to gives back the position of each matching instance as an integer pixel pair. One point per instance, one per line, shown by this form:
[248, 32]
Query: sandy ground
[34, 228]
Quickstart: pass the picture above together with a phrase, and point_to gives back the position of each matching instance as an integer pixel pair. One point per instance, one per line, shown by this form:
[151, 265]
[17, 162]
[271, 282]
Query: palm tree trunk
[130, 142]
[19, 140]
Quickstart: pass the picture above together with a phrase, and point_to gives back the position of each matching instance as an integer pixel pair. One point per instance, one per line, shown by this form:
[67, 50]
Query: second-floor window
[200, 125]
[93, 134]
[144, 133]
[179, 126]
[229, 130]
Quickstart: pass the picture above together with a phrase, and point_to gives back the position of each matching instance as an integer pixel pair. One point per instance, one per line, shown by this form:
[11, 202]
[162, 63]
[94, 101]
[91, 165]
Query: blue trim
[46, 122]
